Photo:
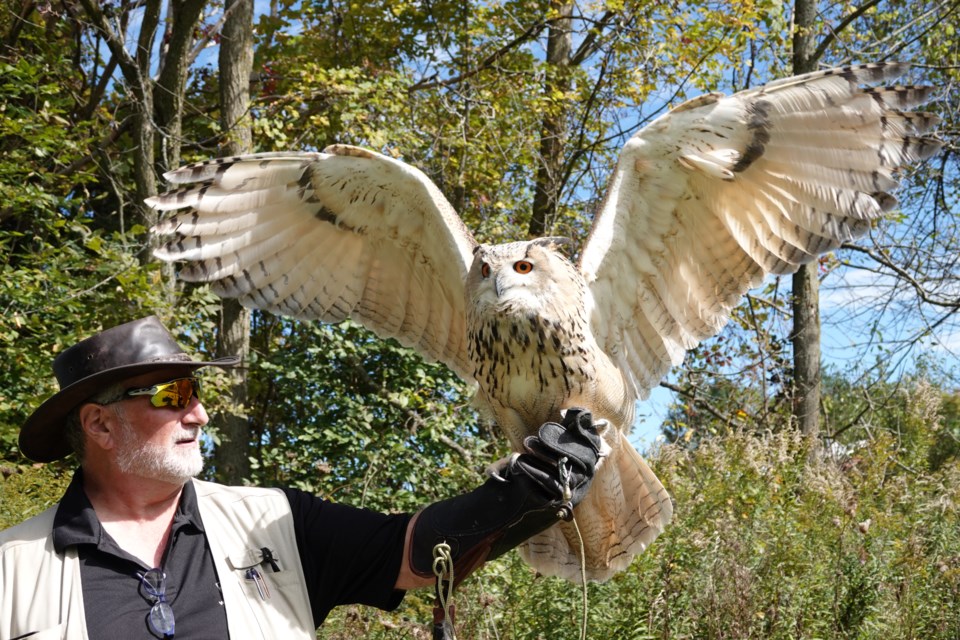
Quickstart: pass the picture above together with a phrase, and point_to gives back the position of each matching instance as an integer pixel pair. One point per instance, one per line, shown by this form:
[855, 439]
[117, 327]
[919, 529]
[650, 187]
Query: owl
[702, 204]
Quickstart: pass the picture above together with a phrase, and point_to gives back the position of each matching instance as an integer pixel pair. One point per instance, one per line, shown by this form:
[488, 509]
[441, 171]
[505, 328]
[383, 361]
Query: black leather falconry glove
[534, 491]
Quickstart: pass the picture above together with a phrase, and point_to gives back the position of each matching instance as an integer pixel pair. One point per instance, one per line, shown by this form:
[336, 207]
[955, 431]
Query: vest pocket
[266, 586]
[261, 574]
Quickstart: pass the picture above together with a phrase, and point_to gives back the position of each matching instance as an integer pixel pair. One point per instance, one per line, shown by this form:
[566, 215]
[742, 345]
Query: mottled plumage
[703, 203]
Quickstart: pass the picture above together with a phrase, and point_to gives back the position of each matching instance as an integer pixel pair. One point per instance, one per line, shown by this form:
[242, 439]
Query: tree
[236, 68]
[477, 95]
[156, 104]
[806, 281]
[550, 173]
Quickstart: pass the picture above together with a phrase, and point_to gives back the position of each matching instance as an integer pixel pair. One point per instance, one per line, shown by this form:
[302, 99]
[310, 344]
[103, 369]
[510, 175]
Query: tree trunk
[152, 104]
[138, 78]
[168, 100]
[232, 456]
[168, 94]
[806, 284]
[236, 67]
[553, 131]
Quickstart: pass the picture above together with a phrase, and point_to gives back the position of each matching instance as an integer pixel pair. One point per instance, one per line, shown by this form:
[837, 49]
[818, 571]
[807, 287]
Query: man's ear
[100, 424]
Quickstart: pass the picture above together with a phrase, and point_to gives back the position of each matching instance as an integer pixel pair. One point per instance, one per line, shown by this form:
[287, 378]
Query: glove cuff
[481, 525]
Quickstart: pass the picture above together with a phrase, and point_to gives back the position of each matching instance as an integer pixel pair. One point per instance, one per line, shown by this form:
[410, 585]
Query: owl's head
[522, 277]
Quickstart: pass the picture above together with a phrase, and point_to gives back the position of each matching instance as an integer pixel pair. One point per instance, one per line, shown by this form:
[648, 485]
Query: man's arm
[535, 490]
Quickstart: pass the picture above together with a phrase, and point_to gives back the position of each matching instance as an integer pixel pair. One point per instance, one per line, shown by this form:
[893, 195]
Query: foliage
[765, 543]
[855, 409]
[26, 491]
[383, 429]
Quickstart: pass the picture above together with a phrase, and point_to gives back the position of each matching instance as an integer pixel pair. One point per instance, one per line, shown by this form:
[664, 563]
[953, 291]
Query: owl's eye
[522, 266]
[485, 270]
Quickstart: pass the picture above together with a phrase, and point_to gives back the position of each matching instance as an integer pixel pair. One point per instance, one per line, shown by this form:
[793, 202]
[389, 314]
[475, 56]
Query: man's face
[158, 443]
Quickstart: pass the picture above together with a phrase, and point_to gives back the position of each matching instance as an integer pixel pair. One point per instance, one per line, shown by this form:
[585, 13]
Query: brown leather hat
[111, 356]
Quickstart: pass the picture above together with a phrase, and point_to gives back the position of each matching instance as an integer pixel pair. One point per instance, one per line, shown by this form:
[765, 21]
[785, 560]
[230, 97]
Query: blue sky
[850, 299]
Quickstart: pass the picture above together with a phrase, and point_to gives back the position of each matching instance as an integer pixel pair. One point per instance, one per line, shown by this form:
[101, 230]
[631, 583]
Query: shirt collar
[76, 522]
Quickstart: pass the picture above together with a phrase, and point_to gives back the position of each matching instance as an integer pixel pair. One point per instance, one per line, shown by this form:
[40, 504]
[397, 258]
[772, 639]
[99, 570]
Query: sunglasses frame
[157, 400]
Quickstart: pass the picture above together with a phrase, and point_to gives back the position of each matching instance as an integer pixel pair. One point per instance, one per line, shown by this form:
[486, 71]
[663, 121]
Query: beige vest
[40, 590]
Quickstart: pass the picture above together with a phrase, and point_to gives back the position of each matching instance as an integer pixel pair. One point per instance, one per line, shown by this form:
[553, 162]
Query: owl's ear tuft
[556, 243]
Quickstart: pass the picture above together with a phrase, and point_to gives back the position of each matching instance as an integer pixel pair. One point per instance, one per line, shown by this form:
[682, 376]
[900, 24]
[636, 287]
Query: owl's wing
[327, 236]
[711, 197]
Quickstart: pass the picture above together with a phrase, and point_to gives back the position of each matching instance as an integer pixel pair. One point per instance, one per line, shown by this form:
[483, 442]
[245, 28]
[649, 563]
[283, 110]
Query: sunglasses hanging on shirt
[160, 618]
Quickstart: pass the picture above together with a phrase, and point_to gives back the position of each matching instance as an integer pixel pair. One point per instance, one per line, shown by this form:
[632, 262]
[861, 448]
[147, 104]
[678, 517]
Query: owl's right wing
[347, 233]
[723, 190]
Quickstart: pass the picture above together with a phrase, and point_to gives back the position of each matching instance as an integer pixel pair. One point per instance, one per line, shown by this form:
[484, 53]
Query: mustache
[186, 435]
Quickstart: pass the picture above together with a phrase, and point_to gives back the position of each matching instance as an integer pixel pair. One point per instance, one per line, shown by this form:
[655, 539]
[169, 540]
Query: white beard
[155, 461]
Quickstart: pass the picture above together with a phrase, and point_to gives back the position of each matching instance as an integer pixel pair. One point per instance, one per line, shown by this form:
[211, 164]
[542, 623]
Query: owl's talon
[563, 468]
[498, 470]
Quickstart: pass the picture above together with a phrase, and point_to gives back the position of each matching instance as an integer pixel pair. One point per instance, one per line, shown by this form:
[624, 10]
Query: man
[137, 548]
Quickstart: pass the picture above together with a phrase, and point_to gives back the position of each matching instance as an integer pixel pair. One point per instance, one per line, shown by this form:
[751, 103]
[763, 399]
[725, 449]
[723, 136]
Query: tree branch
[902, 274]
[590, 43]
[412, 416]
[532, 32]
[843, 24]
[128, 66]
[712, 410]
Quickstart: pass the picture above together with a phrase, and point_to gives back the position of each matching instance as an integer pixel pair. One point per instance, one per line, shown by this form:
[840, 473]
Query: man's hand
[562, 459]
[535, 489]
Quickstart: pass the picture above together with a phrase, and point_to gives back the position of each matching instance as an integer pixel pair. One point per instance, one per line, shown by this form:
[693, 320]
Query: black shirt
[349, 556]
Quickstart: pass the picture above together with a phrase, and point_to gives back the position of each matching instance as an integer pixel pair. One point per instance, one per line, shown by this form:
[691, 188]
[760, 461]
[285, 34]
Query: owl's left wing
[347, 233]
[711, 197]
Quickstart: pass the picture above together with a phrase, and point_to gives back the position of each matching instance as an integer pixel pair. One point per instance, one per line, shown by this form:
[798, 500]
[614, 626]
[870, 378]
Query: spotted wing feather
[718, 193]
[346, 233]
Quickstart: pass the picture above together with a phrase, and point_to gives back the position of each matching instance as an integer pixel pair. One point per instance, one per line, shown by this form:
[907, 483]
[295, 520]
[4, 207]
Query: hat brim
[42, 437]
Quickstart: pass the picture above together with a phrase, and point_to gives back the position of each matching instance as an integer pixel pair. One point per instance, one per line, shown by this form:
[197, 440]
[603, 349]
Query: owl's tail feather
[625, 510]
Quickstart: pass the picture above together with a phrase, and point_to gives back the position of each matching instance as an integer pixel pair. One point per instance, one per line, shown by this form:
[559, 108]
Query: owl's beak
[500, 285]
